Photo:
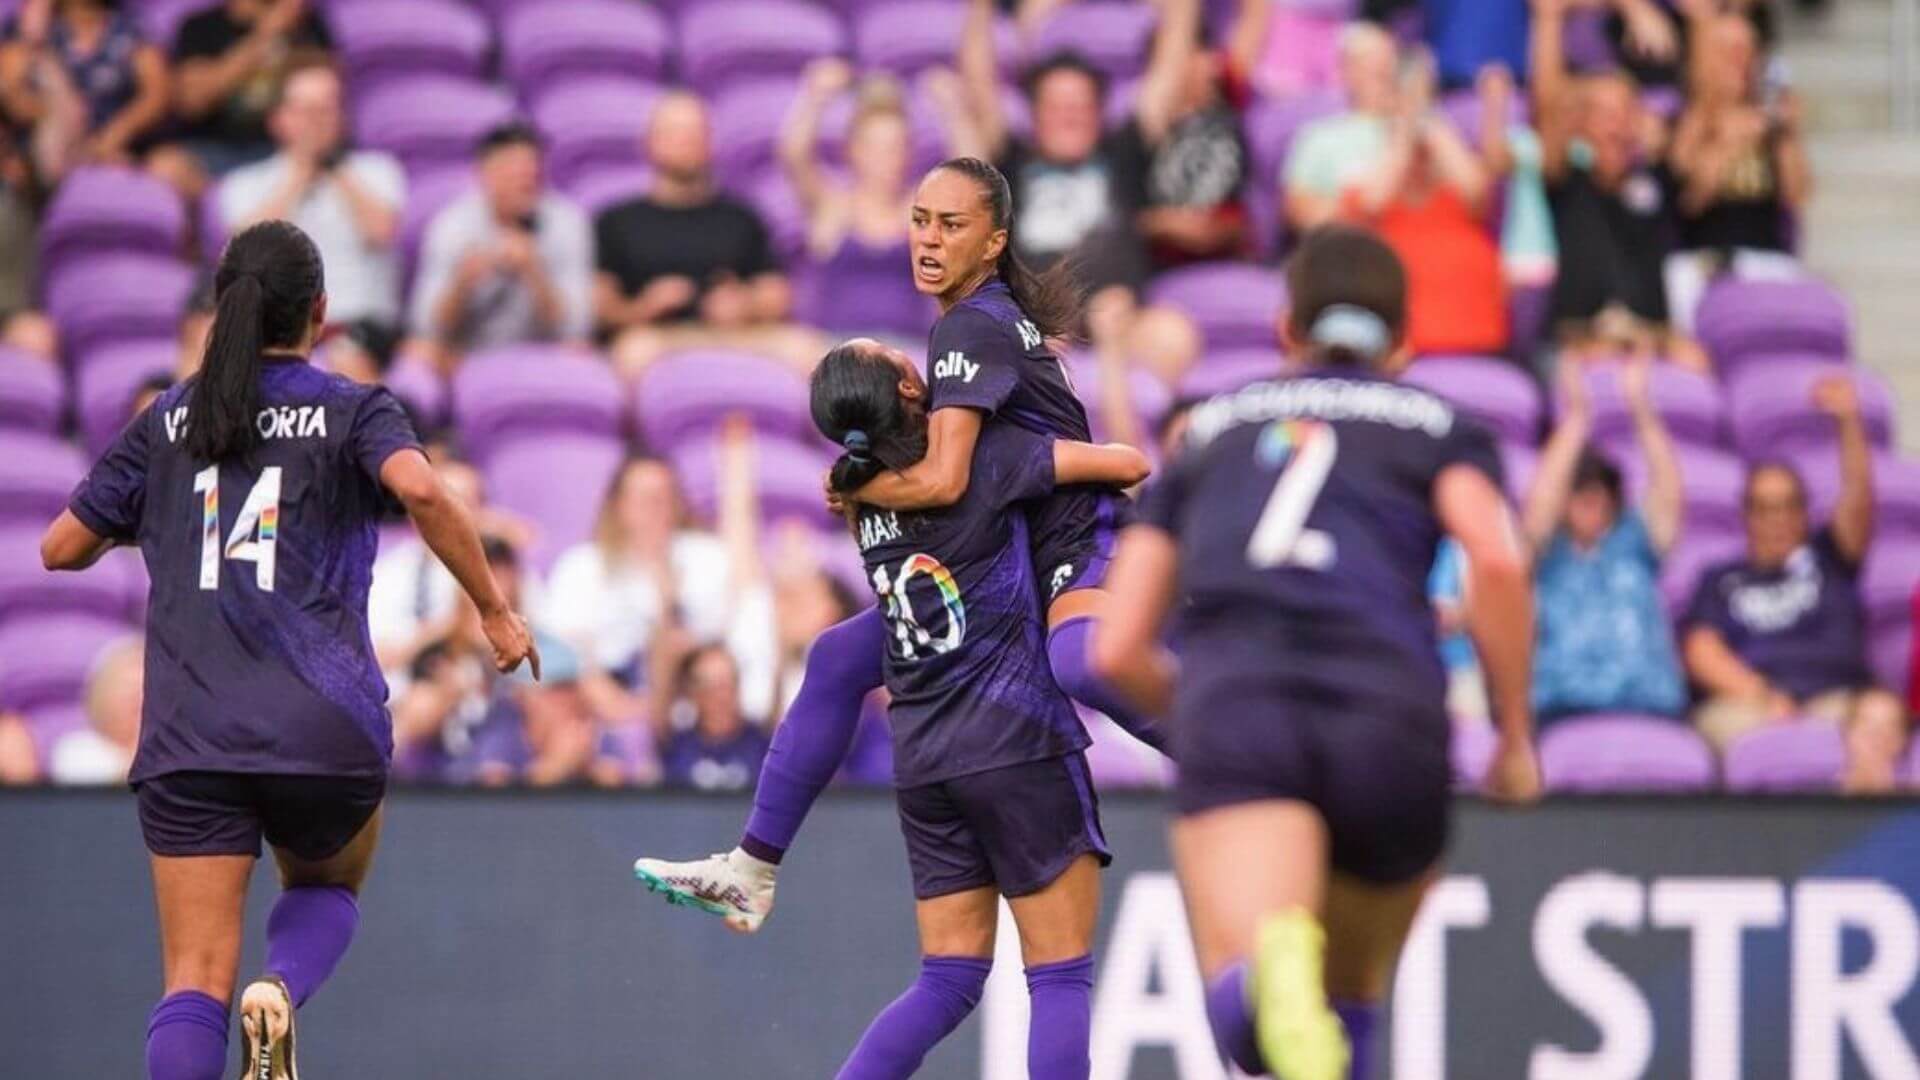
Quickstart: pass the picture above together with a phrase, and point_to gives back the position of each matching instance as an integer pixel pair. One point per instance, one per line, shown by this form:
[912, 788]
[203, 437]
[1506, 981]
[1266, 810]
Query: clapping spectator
[102, 752]
[78, 75]
[1332, 153]
[1427, 198]
[1779, 633]
[686, 266]
[228, 62]
[1604, 643]
[347, 200]
[717, 749]
[1741, 163]
[509, 262]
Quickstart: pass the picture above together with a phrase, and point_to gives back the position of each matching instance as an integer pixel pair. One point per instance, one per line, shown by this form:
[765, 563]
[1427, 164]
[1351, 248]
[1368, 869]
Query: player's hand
[835, 504]
[511, 640]
[1514, 775]
[1838, 397]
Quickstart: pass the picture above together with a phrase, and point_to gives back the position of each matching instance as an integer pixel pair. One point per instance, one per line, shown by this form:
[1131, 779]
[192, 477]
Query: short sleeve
[380, 430]
[609, 245]
[1708, 607]
[1832, 557]
[113, 496]
[757, 257]
[972, 363]
[384, 175]
[1467, 443]
[1163, 504]
[1019, 463]
[1634, 540]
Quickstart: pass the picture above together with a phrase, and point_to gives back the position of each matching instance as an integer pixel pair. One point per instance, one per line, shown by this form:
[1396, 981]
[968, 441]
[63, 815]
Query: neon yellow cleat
[1300, 1038]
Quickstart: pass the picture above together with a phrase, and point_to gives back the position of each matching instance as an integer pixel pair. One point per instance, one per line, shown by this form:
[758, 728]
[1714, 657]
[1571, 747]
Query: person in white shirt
[101, 752]
[347, 200]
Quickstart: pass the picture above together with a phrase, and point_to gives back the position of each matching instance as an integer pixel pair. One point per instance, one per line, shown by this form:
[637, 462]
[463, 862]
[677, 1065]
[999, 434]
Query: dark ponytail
[856, 402]
[1051, 298]
[1347, 297]
[264, 291]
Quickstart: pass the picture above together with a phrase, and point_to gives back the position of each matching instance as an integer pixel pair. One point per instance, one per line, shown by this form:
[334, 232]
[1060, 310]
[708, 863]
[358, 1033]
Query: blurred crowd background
[595, 245]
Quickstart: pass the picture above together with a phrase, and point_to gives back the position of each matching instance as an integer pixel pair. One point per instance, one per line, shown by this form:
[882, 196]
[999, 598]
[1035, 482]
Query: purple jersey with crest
[1304, 514]
[258, 656]
[985, 354]
[966, 662]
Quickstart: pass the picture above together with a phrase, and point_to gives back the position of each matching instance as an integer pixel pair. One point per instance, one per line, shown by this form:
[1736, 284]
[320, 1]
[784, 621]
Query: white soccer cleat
[266, 1017]
[733, 885]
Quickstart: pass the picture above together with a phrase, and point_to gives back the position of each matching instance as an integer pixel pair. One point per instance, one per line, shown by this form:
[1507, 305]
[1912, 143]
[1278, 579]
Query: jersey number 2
[254, 533]
[1280, 537]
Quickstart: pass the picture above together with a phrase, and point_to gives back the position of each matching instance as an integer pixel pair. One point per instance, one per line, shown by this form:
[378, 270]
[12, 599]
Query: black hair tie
[857, 446]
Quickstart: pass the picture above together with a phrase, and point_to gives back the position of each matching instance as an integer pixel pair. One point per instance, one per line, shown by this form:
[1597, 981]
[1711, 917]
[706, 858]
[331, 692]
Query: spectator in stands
[19, 761]
[1613, 206]
[1604, 642]
[717, 750]
[361, 350]
[1330, 154]
[148, 391]
[78, 76]
[685, 266]
[1742, 166]
[1427, 198]
[228, 62]
[102, 752]
[1779, 633]
[21, 327]
[347, 200]
[1188, 116]
[508, 263]
[857, 230]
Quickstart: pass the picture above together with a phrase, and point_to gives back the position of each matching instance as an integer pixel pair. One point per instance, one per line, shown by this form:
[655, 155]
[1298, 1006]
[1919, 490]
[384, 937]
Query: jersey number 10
[254, 533]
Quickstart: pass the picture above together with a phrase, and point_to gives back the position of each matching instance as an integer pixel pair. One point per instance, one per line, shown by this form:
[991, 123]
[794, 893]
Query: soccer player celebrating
[253, 492]
[1298, 525]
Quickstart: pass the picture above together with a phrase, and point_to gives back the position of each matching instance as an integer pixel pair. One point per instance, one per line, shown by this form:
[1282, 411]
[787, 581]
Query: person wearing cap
[508, 263]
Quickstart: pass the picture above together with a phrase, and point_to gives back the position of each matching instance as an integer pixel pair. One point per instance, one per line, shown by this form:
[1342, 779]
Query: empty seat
[45, 659]
[905, 37]
[724, 41]
[1491, 390]
[382, 39]
[1271, 125]
[1235, 305]
[106, 209]
[1772, 413]
[747, 118]
[1624, 752]
[687, 395]
[1713, 482]
[594, 122]
[604, 187]
[26, 589]
[1151, 398]
[1890, 653]
[107, 298]
[1802, 755]
[1519, 461]
[418, 384]
[522, 390]
[32, 394]
[430, 121]
[1690, 405]
[557, 479]
[1114, 37]
[787, 475]
[1888, 580]
[427, 195]
[567, 39]
[107, 381]
[37, 474]
[1896, 489]
[1739, 320]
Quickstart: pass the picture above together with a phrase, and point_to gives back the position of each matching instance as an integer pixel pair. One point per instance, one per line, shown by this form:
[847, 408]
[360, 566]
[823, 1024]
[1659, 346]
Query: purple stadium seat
[107, 298]
[1519, 461]
[104, 209]
[1697, 551]
[723, 41]
[593, 122]
[1491, 390]
[906, 37]
[774, 199]
[1890, 653]
[1690, 404]
[1228, 370]
[1271, 125]
[1896, 497]
[106, 382]
[1712, 479]
[1112, 36]
[1235, 305]
[1588, 49]
[687, 395]
[535, 390]
[1738, 320]
[1472, 753]
[381, 39]
[427, 195]
[747, 117]
[418, 384]
[37, 475]
[607, 186]
[788, 473]
[1151, 398]
[27, 590]
[1622, 752]
[568, 39]
[430, 121]
[556, 479]
[32, 395]
[1772, 414]
[1888, 579]
[1804, 755]
[45, 659]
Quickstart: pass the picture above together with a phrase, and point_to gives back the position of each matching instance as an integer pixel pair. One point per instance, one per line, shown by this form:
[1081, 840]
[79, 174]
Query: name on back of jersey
[955, 365]
[1402, 407]
[878, 527]
[278, 422]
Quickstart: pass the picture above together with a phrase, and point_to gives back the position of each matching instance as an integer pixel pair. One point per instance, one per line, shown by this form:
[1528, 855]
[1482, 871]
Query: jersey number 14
[254, 532]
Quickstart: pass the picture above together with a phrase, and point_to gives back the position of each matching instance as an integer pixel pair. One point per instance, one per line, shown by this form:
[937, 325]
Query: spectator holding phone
[509, 262]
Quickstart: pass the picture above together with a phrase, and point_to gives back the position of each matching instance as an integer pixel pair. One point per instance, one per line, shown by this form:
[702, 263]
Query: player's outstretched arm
[1114, 464]
[448, 530]
[940, 478]
[1126, 652]
[70, 545]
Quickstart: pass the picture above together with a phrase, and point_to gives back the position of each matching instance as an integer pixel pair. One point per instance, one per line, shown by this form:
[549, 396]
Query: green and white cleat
[733, 885]
[1300, 1037]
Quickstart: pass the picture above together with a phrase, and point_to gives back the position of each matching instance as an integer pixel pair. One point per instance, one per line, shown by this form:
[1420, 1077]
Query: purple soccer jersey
[1801, 626]
[258, 655]
[985, 354]
[1304, 513]
[966, 661]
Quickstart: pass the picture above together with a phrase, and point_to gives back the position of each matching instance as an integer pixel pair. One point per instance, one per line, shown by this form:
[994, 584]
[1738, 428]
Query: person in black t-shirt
[228, 63]
[684, 266]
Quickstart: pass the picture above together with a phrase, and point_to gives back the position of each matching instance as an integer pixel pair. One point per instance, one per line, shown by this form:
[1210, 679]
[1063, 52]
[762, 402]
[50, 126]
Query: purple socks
[1231, 1015]
[1059, 1037]
[843, 667]
[187, 1038]
[899, 1038]
[307, 934]
[1067, 652]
